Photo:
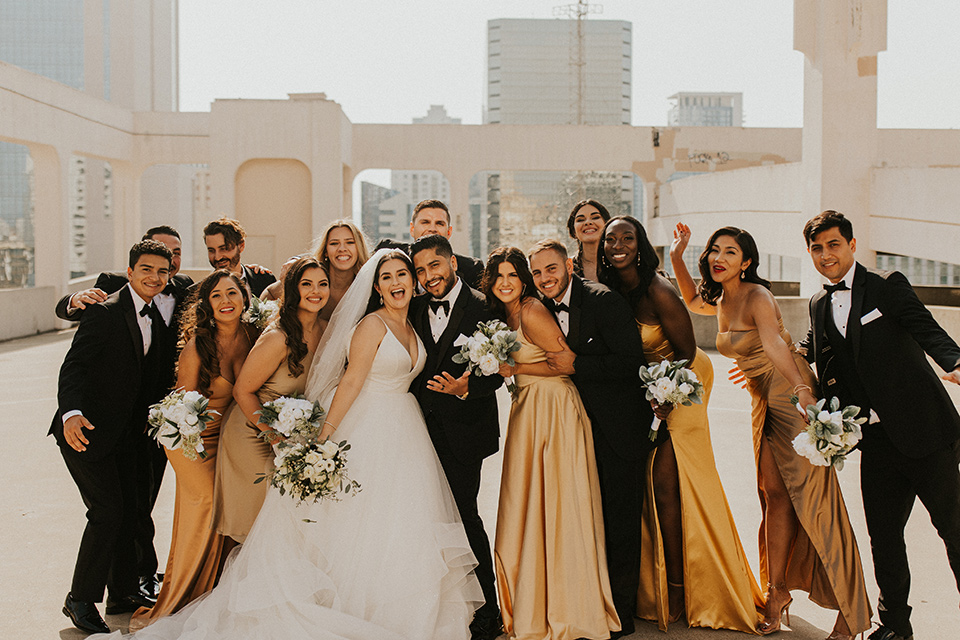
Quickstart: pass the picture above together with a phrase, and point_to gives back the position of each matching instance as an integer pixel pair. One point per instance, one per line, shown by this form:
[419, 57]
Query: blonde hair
[363, 254]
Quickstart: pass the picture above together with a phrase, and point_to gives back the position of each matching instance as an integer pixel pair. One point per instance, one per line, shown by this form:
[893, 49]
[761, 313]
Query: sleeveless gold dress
[549, 551]
[824, 561]
[195, 548]
[244, 455]
[720, 591]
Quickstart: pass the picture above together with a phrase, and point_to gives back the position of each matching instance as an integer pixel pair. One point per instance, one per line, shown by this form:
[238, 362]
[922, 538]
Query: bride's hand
[327, 432]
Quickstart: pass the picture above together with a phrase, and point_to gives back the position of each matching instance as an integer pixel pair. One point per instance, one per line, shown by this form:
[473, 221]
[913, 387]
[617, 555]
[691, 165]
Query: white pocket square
[870, 317]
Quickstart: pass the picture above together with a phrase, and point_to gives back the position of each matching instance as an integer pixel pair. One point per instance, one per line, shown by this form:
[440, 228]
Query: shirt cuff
[70, 414]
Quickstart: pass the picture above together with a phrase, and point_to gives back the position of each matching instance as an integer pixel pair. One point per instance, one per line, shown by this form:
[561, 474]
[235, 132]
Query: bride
[391, 562]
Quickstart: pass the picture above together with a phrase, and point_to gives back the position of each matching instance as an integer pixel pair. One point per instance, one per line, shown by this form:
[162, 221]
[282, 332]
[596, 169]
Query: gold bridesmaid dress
[549, 551]
[244, 455]
[720, 591]
[824, 561]
[195, 549]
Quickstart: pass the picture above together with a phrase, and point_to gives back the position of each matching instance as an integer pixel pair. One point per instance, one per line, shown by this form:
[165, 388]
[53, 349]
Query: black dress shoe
[84, 615]
[486, 627]
[127, 604]
[150, 586]
[886, 633]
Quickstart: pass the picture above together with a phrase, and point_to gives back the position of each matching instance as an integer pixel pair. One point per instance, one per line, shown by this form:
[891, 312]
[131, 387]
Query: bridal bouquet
[177, 421]
[489, 347]
[312, 471]
[261, 312]
[670, 382]
[292, 417]
[831, 434]
[307, 469]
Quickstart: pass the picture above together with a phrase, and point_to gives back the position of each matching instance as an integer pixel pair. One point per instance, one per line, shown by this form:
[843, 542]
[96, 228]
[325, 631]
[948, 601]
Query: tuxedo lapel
[130, 315]
[576, 301]
[453, 325]
[820, 306]
[856, 308]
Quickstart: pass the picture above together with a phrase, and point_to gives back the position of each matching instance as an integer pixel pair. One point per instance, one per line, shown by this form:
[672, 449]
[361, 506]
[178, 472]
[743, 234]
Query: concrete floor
[43, 515]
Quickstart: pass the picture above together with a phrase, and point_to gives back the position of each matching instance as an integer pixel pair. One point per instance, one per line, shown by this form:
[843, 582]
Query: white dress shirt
[165, 303]
[840, 301]
[440, 319]
[563, 317]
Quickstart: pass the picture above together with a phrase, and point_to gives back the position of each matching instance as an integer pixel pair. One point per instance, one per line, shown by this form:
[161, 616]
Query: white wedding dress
[391, 562]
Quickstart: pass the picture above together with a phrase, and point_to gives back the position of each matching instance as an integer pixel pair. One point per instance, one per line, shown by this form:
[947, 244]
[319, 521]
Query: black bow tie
[148, 310]
[435, 305]
[559, 306]
[833, 288]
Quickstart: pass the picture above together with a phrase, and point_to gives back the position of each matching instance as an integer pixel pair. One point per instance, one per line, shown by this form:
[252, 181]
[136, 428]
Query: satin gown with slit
[824, 560]
[720, 591]
[549, 551]
[389, 563]
[195, 548]
[244, 455]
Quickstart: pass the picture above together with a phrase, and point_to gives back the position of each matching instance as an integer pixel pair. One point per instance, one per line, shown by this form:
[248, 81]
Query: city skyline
[437, 56]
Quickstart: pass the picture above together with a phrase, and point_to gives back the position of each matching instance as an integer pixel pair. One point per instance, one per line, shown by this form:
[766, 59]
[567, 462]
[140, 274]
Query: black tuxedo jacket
[103, 376]
[470, 427]
[111, 282]
[604, 335]
[257, 281]
[469, 269]
[889, 351]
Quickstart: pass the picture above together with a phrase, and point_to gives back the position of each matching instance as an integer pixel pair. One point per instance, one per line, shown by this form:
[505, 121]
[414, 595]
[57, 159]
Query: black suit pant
[891, 482]
[150, 467]
[107, 555]
[464, 479]
[622, 488]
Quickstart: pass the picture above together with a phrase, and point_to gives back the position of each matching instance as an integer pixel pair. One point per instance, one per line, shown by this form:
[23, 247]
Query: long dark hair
[571, 229]
[376, 301]
[198, 323]
[288, 321]
[709, 289]
[497, 257]
[648, 262]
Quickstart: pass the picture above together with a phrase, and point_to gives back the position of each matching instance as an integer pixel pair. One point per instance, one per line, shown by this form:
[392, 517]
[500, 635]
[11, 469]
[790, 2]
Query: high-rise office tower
[425, 185]
[706, 110]
[121, 51]
[574, 71]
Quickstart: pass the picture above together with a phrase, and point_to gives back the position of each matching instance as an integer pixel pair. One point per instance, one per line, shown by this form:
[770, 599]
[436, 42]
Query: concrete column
[51, 170]
[127, 220]
[840, 40]
[459, 206]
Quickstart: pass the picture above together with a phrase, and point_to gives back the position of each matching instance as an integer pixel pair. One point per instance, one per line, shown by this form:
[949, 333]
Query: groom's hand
[446, 383]
[953, 376]
[562, 361]
[73, 432]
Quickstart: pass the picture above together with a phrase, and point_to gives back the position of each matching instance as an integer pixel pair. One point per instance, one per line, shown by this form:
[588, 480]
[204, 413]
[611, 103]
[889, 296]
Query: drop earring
[743, 275]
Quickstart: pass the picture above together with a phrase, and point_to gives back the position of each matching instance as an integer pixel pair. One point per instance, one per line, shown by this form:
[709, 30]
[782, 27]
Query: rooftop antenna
[578, 63]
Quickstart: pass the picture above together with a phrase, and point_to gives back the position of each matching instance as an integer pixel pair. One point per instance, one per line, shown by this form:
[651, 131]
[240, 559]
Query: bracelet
[327, 422]
[800, 387]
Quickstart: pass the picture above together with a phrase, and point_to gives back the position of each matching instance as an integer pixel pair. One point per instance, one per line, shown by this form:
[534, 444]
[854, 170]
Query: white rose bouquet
[670, 382]
[489, 347]
[261, 312]
[177, 421]
[831, 434]
[312, 471]
[292, 416]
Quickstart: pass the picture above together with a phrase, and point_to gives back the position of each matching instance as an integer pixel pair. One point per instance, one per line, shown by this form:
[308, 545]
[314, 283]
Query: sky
[386, 62]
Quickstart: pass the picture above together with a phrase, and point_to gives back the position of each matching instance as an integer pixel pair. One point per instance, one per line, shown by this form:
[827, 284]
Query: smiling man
[870, 336]
[109, 377]
[460, 409]
[225, 239]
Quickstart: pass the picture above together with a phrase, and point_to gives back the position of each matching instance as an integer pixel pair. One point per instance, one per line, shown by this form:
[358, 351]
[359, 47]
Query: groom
[603, 359]
[870, 337]
[460, 409]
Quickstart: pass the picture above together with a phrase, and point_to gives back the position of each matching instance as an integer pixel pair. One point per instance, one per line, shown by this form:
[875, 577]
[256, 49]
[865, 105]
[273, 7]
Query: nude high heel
[771, 623]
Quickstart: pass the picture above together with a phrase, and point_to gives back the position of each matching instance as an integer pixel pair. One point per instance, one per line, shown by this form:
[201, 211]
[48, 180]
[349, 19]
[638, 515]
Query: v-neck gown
[824, 560]
[389, 563]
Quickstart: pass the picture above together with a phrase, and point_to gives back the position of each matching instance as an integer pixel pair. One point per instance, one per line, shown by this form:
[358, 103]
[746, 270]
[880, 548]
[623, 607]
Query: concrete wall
[24, 312]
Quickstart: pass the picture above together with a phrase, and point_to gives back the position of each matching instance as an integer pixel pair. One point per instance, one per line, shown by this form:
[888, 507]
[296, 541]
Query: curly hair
[648, 262]
[491, 272]
[198, 323]
[571, 229]
[709, 289]
[288, 321]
